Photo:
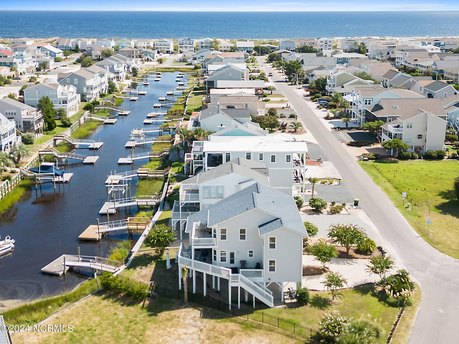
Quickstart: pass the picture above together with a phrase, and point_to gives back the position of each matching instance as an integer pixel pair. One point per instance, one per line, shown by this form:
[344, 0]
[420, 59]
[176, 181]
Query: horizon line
[224, 11]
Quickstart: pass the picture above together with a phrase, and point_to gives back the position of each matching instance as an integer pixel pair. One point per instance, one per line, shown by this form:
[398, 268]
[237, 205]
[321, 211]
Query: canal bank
[49, 221]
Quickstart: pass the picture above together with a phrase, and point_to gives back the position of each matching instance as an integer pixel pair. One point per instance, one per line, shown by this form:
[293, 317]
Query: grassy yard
[429, 188]
[85, 130]
[195, 103]
[15, 195]
[149, 187]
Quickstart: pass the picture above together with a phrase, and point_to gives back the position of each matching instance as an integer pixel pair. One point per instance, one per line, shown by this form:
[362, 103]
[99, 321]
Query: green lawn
[85, 130]
[429, 188]
[195, 103]
[149, 187]
[15, 195]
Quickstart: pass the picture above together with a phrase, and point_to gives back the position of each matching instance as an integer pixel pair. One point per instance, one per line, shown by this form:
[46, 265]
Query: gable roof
[279, 205]
[406, 108]
[246, 168]
[16, 104]
[436, 86]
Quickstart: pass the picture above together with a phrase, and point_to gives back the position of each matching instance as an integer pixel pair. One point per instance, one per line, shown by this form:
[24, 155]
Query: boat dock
[96, 232]
[65, 262]
[110, 207]
[124, 113]
[110, 121]
[91, 159]
[91, 233]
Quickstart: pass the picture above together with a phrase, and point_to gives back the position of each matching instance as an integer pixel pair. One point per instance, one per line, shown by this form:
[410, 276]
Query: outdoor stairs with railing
[110, 207]
[235, 280]
[89, 144]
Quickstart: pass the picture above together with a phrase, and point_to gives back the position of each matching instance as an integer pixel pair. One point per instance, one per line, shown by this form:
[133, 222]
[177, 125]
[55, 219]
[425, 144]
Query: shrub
[368, 156]
[272, 112]
[318, 204]
[414, 156]
[160, 237]
[366, 245]
[28, 139]
[124, 286]
[323, 251]
[299, 202]
[388, 161]
[292, 115]
[66, 122]
[336, 209]
[451, 137]
[311, 228]
[434, 155]
[302, 296]
[282, 115]
[453, 156]
[404, 156]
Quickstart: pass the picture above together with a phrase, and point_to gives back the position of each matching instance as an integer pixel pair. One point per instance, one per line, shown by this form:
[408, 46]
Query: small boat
[152, 115]
[180, 76]
[146, 83]
[157, 79]
[142, 93]
[156, 105]
[170, 93]
[47, 168]
[180, 88]
[162, 99]
[181, 84]
[6, 246]
[133, 98]
[158, 74]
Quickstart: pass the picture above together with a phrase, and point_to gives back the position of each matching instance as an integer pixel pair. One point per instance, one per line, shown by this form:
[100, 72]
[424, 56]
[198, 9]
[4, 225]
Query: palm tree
[313, 181]
[346, 120]
[379, 265]
[333, 282]
[200, 134]
[5, 161]
[18, 152]
[185, 284]
[295, 126]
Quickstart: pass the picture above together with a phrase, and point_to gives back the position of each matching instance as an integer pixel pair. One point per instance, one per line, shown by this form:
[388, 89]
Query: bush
[336, 209]
[388, 161]
[404, 156]
[318, 204]
[434, 155]
[366, 245]
[66, 122]
[302, 296]
[292, 115]
[58, 59]
[299, 202]
[368, 156]
[28, 139]
[272, 112]
[124, 286]
[453, 156]
[414, 156]
[451, 137]
[311, 228]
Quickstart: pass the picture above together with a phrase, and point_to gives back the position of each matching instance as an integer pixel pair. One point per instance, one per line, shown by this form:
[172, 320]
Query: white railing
[204, 242]
[189, 195]
[261, 293]
[251, 273]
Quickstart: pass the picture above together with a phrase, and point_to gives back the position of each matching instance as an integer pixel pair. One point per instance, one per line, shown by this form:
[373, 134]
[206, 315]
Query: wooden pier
[63, 263]
[97, 232]
[56, 267]
[92, 233]
[90, 159]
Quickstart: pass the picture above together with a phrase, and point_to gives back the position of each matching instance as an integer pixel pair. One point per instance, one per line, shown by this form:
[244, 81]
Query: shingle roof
[16, 104]
[247, 168]
[279, 205]
[436, 86]
[406, 108]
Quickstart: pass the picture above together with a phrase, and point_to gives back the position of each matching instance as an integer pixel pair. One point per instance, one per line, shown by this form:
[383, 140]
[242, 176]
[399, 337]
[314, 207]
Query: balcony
[182, 212]
[201, 236]
[189, 193]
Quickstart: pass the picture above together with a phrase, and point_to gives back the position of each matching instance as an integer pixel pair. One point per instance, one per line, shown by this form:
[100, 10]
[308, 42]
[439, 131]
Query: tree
[456, 187]
[306, 49]
[379, 265]
[319, 85]
[359, 331]
[47, 109]
[294, 71]
[274, 57]
[346, 235]
[17, 152]
[185, 137]
[299, 202]
[44, 65]
[272, 112]
[160, 237]
[5, 161]
[313, 181]
[266, 122]
[4, 81]
[89, 107]
[67, 53]
[362, 49]
[346, 121]
[311, 228]
[332, 326]
[62, 114]
[86, 61]
[134, 71]
[295, 126]
[396, 146]
[333, 282]
[200, 134]
[372, 127]
[112, 88]
[323, 252]
[398, 286]
[215, 44]
[318, 204]
[107, 52]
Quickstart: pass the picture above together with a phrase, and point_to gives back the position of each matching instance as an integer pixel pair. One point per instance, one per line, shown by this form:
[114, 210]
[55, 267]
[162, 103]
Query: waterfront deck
[90, 160]
[92, 233]
[62, 264]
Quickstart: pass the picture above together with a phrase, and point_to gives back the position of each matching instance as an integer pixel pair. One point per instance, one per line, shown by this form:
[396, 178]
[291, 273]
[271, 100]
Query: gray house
[27, 118]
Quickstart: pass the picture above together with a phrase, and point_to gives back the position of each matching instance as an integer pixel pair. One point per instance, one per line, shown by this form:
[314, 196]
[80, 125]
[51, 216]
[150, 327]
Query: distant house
[243, 99]
[346, 58]
[149, 55]
[116, 65]
[65, 97]
[205, 43]
[165, 46]
[228, 72]
[287, 45]
[50, 51]
[224, 45]
[281, 153]
[245, 46]
[7, 134]
[87, 83]
[420, 124]
[251, 240]
[434, 89]
[129, 52]
[186, 44]
[323, 43]
[27, 118]
[204, 189]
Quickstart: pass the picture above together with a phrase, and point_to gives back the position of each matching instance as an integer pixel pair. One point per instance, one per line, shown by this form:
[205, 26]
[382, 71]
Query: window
[223, 234]
[367, 101]
[288, 157]
[214, 233]
[409, 125]
[231, 260]
[272, 242]
[223, 256]
[242, 234]
[248, 156]
[214, 255]
[227, 157]
[272, 265]
[212, 192]
[250, 254]
[419, 136]
[273, 158]
[260, 156]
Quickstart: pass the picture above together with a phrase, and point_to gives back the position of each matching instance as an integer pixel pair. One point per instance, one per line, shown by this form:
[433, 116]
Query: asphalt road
[438, 317]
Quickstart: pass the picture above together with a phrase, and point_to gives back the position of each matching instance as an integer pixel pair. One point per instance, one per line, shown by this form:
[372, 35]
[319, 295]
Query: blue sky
[233, 5]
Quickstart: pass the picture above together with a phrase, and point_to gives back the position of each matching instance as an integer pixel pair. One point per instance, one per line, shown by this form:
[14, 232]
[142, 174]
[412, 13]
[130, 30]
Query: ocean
[260, 25]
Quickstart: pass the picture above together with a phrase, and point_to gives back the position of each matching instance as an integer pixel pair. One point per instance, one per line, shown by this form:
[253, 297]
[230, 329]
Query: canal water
[47, 223]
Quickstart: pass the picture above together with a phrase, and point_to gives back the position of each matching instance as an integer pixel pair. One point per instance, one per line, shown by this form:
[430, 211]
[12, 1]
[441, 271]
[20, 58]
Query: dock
[124, 113]
[46, 177]
[63, 263]
[125, 161]
[110, 121]
[92, 233]
[56, 267]
[157, 105]
[148, 121]
[90, 159]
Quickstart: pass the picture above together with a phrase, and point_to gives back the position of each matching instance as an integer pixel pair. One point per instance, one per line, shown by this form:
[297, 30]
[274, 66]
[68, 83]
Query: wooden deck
[90, 159]
[63, 263]
[92, 233]
[56, 267]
